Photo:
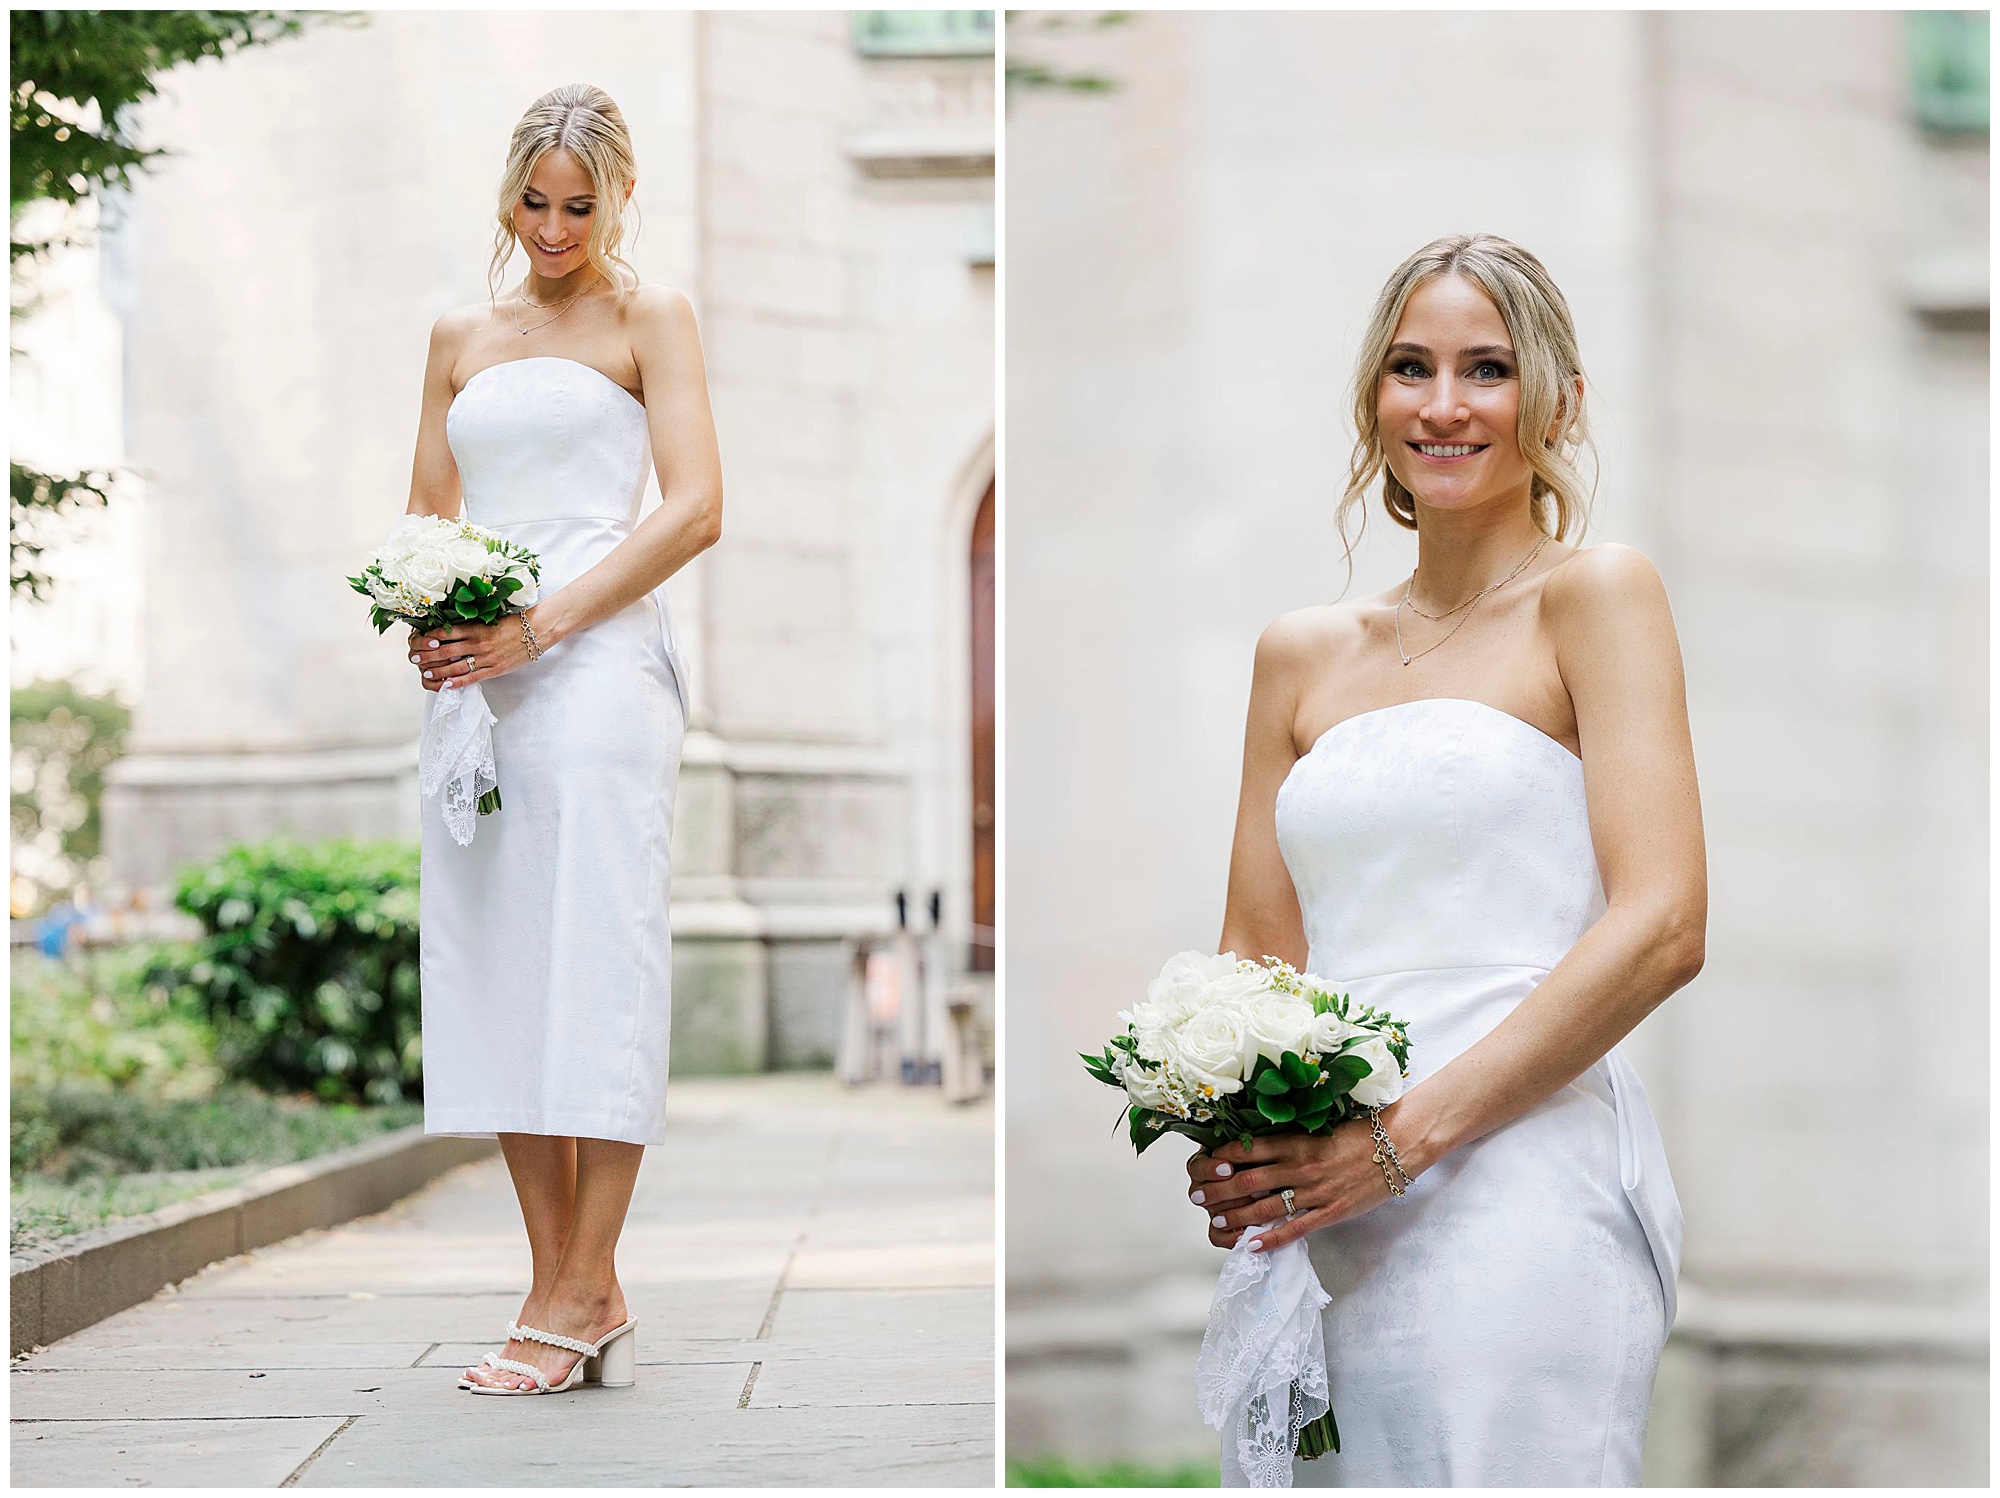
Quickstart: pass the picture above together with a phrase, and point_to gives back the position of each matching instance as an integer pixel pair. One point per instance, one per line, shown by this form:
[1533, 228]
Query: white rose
[1277, 1023]
[1213, 1048]
[428, 572]
[529, 590]
[1184, 982]
[1153, 1029]
[1147, 1088]
[1384, 1082]
[467, 556]
[1330, 1032]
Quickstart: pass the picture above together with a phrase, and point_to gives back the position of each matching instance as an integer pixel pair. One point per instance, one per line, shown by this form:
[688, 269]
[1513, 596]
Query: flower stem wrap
[456, 758]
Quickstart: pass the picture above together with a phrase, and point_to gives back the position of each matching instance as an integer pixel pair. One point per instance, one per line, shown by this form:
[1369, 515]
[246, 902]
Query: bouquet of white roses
[1225, 1050]
[432, 573]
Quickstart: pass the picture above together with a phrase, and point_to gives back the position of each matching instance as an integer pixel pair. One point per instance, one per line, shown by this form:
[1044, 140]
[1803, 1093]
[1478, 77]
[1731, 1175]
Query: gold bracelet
[1385, 1155]
[528, 636]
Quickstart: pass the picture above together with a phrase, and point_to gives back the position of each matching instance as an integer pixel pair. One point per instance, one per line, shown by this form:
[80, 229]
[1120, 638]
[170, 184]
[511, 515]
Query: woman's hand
[464, 655]
[1332, 1177]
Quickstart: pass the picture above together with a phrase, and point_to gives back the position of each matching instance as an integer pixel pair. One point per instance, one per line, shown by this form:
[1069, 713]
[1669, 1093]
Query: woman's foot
[499, 1378]
[567, 1311]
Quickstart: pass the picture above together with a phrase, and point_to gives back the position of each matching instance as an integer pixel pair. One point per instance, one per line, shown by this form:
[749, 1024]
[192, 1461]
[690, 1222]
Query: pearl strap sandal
[612, 1360]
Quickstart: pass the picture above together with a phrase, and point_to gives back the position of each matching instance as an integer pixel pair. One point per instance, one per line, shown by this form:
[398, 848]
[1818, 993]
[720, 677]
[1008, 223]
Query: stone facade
[826, 211]
[1780, 288]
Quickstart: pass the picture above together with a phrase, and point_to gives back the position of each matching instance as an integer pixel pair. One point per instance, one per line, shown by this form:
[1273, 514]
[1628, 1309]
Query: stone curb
[82, 1279]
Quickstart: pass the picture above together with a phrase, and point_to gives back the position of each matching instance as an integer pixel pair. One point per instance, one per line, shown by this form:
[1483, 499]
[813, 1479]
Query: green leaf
[1273, 1084]
[1345, 1071]
[1145, 1133]
[1297, 1072]
[1277, 1110]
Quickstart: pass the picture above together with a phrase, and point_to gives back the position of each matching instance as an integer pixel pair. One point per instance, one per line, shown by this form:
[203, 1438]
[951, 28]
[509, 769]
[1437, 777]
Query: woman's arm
[434, 484]
[667, 345]
[1619, 659]
[1261, 917]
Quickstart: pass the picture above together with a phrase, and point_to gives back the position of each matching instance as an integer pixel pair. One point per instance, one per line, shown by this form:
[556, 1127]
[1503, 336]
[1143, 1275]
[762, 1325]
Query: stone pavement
[812, 1270]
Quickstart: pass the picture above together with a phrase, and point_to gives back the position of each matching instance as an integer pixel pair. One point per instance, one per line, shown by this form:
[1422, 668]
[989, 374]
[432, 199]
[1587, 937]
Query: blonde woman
[1470, 801]
[545, 940]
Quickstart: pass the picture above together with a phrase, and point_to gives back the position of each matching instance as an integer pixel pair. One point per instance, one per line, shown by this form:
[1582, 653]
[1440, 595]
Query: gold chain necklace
[565, 304]
[1467, 606]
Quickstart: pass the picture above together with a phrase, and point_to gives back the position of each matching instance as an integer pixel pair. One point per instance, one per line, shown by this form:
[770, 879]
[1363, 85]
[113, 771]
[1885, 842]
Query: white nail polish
[1219, 1220]
[427, 676]
[1199, 1197]
[1224, 1169]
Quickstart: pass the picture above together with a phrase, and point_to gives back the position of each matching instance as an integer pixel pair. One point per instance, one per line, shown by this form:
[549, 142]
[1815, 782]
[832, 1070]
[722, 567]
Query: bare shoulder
[453, 327]
[1600, 583]
[451, 332]
[650, 308]
[1294, 645]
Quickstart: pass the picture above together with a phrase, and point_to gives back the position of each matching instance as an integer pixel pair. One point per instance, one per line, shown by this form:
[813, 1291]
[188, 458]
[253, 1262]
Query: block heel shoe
[612, 1361]
[615, 1364]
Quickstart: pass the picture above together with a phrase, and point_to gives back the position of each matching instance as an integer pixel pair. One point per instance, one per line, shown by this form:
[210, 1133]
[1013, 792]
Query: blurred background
[1772, 230]
[217, 359]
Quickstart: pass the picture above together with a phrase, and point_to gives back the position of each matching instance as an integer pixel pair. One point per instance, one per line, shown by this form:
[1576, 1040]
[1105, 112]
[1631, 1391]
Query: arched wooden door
[984, 803]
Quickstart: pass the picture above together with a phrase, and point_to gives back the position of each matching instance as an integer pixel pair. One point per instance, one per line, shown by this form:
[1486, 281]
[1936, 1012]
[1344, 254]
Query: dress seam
[639, 973]
[1543, 968]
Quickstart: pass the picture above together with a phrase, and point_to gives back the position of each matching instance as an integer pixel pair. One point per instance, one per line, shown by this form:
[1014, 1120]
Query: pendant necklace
[564, 304]
[1466, 607]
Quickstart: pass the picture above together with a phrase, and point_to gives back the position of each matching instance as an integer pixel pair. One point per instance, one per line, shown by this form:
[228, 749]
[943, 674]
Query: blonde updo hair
[582, 119]
[1552, 430]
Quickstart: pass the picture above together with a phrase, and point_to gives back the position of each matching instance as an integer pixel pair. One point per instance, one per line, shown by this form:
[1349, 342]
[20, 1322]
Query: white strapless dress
[546, 956]
[1499, 1326]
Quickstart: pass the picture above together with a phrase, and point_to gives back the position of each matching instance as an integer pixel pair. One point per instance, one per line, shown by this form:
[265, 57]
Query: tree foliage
[76, 75]
[63, 740]
[75, 79]
[1027, 73]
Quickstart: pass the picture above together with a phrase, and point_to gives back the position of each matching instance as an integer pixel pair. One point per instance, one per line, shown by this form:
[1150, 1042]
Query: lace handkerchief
[456, 757]
[1261, 1377]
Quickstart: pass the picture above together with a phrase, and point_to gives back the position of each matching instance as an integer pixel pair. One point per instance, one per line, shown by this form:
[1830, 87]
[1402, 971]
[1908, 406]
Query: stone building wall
[334, 197]
[1770, 271]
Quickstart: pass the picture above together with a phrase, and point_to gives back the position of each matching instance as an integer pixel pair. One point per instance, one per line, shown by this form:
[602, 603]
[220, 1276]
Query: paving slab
[165, 1454]
[587, 1443]
[812, 1269]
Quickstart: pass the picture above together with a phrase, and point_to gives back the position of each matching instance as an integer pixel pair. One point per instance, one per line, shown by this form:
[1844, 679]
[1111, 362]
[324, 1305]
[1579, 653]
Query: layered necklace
[562, 306]
[1465, 608]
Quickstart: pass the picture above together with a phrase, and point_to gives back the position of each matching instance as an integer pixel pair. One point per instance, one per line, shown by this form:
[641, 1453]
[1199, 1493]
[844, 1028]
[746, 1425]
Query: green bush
[1059, 1472]
[76, 1131]
[101, 1015]
[308, 968]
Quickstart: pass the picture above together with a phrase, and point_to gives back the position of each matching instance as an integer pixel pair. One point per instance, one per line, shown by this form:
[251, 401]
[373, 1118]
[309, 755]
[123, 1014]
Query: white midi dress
[546, 953]
[1501, 1324]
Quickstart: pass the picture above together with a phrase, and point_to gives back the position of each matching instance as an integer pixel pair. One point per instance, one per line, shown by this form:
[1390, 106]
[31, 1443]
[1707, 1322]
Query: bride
[545, 943]
[1470, 801]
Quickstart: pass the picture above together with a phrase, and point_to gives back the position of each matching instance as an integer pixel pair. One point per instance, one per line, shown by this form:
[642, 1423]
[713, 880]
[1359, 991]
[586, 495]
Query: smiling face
[554, 213]
[1449, 399]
